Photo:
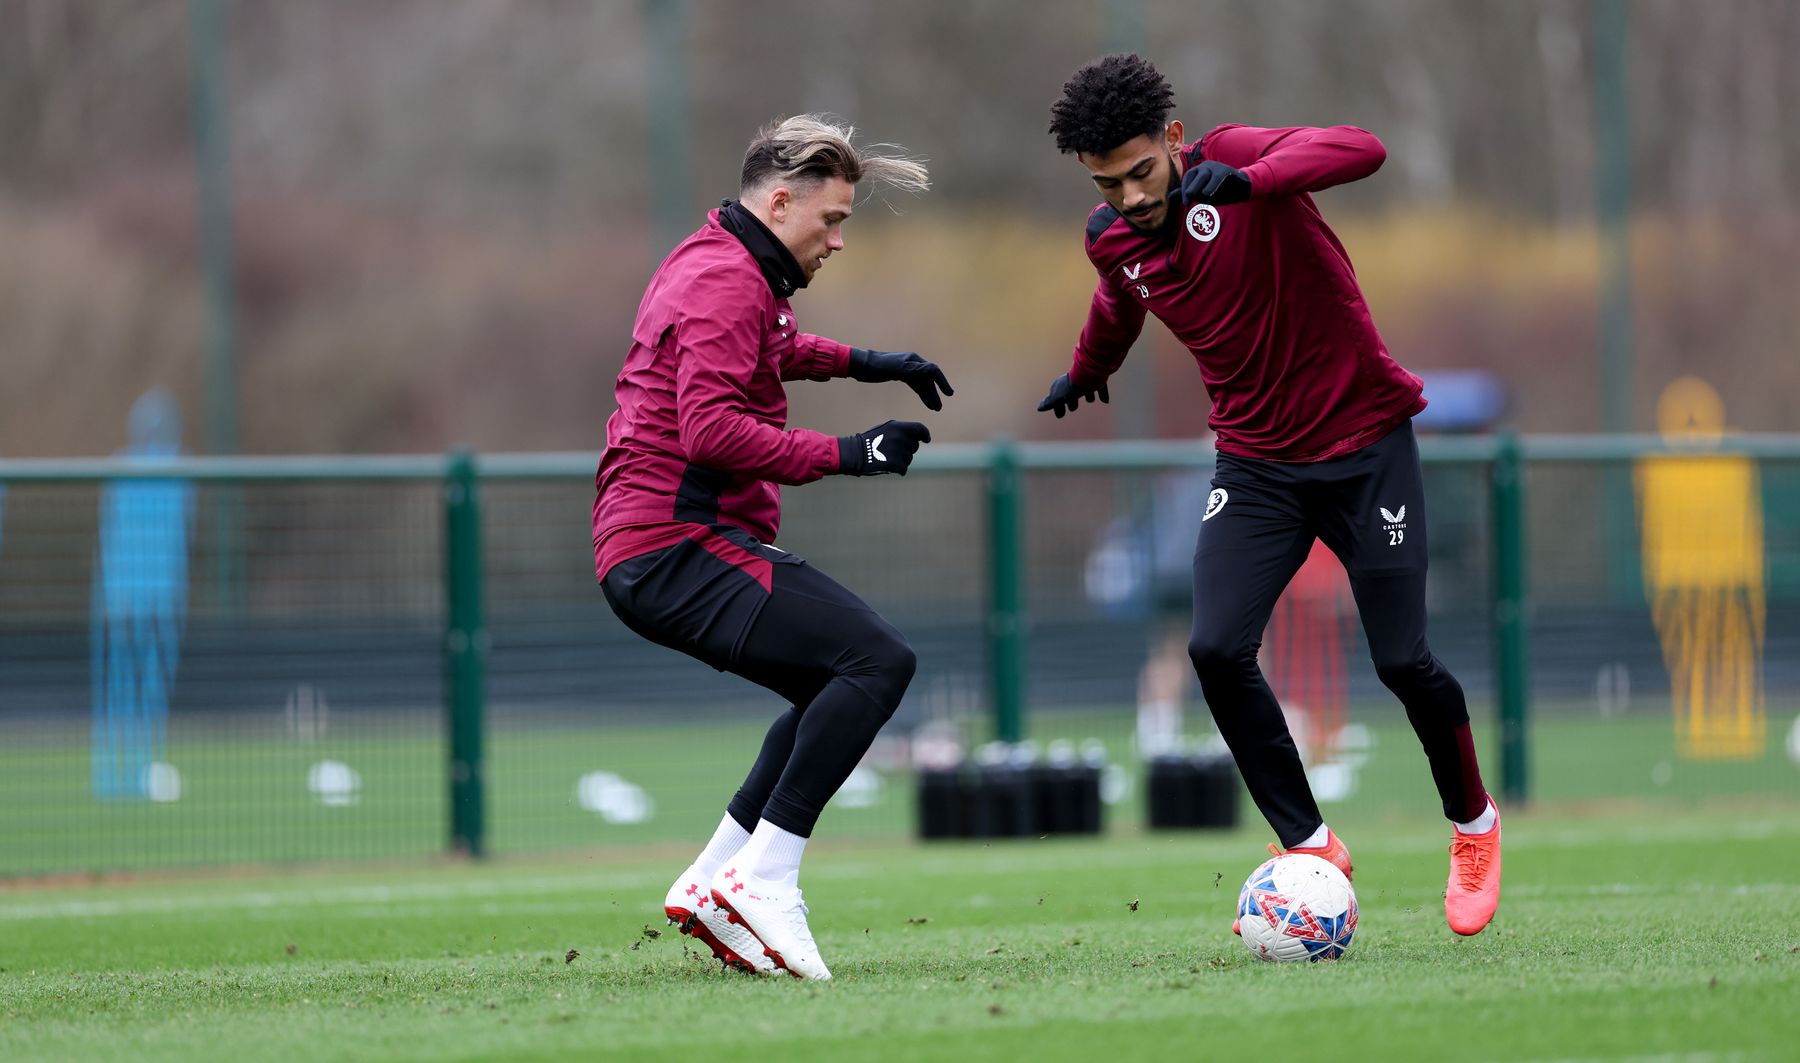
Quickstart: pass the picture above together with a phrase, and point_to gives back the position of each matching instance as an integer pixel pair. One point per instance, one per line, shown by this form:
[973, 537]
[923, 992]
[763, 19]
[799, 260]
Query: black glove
[1065, 396]
[874, 367]
[888, 447]
[1216, 183]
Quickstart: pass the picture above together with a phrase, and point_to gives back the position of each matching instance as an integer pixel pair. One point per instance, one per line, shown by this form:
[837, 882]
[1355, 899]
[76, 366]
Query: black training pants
[842, 668]
[1260, 522]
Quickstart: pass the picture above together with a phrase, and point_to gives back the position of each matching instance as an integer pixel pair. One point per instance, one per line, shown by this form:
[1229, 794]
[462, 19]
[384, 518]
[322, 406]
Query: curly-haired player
[1221, 240]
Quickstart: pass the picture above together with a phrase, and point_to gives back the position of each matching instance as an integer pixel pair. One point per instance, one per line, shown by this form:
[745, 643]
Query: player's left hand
[1065, 396]
[925, 378]
[1216, 183]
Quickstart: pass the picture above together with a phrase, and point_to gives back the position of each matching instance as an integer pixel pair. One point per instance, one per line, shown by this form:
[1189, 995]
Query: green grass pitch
[245, 798]
[1642, 932]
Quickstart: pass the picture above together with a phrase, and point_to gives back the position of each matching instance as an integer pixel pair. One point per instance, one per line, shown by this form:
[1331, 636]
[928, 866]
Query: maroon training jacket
[699, 436]
[1263, 296]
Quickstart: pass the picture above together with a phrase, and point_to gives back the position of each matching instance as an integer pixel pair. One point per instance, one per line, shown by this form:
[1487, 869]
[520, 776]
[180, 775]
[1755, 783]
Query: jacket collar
[778, 265]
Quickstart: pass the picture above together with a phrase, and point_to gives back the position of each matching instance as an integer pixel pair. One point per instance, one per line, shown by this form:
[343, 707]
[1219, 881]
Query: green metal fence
[406, 655]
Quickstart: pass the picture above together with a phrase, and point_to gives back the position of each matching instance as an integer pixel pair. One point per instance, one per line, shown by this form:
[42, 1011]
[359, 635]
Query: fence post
[1511, 617]
[1006, 587]
[465, 652]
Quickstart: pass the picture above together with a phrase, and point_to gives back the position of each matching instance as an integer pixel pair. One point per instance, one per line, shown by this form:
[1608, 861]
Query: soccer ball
[1297, 907]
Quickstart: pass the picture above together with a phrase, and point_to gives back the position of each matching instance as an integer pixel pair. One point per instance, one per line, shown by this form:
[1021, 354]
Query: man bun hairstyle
[1109, 101]
[810, 148]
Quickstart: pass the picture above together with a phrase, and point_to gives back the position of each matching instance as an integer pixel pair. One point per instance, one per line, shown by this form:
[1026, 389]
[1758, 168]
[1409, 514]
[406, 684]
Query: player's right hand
[888, 447]
[1065, 396]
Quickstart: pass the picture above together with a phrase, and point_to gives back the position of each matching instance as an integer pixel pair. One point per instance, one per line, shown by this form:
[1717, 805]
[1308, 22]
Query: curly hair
[1108, 102]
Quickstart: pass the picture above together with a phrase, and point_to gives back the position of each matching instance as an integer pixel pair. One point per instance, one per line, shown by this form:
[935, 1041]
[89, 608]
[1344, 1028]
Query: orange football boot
[1333, 850]
[1474, 888]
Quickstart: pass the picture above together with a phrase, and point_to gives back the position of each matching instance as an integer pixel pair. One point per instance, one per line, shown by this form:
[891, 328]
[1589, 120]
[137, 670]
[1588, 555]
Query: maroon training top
[1263, 295]
[699, 437]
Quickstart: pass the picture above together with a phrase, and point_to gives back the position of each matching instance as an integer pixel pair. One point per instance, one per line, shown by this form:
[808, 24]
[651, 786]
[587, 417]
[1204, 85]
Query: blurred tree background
[444, 209]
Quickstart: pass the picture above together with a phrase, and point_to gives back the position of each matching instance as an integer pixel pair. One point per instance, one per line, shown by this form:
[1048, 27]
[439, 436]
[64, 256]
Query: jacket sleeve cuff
[1262, 178]
[830, 358]
[1084, 376]
[833, 457]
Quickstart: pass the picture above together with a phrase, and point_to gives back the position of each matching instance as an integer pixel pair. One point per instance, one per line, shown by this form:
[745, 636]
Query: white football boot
[776, 913]
[690, 906]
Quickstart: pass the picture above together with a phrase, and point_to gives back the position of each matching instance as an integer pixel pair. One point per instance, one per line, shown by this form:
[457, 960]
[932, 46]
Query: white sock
[1480, 824]
[726, 841]
[1315, 839]
[771, 853]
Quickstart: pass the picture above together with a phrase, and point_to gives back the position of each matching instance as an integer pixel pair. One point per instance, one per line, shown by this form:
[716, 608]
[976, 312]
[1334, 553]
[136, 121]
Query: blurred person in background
[138, 610]
[688, 502]
[1221, 240]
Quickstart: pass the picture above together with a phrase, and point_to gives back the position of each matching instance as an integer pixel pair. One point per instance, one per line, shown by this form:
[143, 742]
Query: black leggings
[842, 668]
[1260, 524]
